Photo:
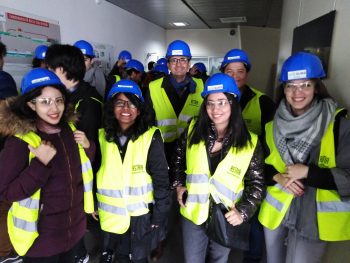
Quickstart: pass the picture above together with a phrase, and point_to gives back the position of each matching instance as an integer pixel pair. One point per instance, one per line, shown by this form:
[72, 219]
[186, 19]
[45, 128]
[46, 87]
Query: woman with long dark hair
[132, 183]
[219, 164]
[45, 171]
[307, 202]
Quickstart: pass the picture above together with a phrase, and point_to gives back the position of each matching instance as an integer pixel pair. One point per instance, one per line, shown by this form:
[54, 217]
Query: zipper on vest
[71, 185]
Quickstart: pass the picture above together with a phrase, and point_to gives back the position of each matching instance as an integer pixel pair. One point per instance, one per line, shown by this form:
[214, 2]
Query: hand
[81, 138]
[297, 171]
[180, 190]
[295, 188]
[234, 217]
[95, 215]
[44, 152]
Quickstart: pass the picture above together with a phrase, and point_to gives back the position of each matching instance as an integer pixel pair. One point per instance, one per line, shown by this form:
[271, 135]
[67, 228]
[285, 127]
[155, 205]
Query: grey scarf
[295, 136]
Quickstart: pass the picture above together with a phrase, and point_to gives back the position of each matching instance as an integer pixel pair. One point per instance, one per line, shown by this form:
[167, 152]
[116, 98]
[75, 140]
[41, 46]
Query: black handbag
[227, 235]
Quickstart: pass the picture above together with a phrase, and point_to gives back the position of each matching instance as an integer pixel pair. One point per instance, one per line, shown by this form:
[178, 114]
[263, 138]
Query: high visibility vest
[22, 219]
[252, 113]
[76, 106]
[169, 124]
[117, 78]
[225, 185]
[333, 215]
[124, 188]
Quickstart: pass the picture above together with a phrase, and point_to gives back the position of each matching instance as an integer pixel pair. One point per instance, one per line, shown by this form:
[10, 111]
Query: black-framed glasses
[178, 60]
[122, 103]
[59, 101]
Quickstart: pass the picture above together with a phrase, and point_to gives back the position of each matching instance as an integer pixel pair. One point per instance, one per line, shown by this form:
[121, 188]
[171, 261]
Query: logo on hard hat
[125, 86]
[215, 87]
[297, 74]
[40, 80]
[234, 57]
[177, 52]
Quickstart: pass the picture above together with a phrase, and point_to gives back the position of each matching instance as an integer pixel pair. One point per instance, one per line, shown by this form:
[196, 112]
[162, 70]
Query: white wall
[206, 42]
[103, 23]
[296, 13]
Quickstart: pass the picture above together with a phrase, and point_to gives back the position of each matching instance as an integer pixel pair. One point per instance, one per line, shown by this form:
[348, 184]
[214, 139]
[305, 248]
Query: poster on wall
[104, 56]
[22, 33]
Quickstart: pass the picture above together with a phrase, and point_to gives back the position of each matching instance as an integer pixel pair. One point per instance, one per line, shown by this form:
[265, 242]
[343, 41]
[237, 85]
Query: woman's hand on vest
[296, 172]
[80, 137]
[95, 215]
[44, 152]
[294, 187]
[181, 192]
[234, 216]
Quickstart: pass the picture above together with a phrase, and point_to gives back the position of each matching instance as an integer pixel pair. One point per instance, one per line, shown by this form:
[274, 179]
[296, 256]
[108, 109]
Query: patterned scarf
[295, 136]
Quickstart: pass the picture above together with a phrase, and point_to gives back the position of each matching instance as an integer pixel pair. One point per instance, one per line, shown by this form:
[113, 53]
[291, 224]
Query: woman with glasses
[307, 202]
[132, 182]
[218, 162]
[45, 171]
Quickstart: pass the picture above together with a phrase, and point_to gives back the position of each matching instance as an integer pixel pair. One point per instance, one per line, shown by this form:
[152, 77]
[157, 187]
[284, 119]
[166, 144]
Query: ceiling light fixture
[179, 24]
[233, 19]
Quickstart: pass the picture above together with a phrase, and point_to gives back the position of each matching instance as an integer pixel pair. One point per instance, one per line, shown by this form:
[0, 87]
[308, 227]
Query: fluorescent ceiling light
[233, 19]
[179, 24]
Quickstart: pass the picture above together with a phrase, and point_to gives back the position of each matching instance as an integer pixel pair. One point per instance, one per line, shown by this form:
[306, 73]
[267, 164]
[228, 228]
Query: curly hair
[143, 121]
[239, 135]
[20, 107]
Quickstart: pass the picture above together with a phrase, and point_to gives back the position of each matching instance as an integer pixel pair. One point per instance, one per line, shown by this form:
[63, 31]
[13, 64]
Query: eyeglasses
[123, 103]
[304, 86]
[59, 101]
[219, 103]
[178, 60]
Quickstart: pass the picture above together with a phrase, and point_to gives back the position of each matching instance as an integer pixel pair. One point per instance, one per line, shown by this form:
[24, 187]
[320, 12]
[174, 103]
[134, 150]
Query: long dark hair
[143, 122]
[20, 107]
[320, 88]
[239, 135]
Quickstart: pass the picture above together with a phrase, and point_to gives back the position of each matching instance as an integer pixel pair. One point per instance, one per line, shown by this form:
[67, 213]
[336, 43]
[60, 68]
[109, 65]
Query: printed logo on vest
[324, 160]
[137, 168]
[194, 103]
[235, 171]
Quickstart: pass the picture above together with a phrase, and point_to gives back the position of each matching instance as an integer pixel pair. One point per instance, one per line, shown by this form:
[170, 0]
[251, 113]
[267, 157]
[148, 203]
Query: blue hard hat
[200, 67]
[85, 47]
[125, 86]
[40, 52]
[178, 48]
[302, 65]
[161, 68]
[162, 61]
[125, 55]
[221, 82]
[39, 77]
[135, 64]
[236, 55]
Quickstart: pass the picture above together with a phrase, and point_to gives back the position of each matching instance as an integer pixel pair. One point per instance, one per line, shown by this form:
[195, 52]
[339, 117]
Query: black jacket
[254, 185]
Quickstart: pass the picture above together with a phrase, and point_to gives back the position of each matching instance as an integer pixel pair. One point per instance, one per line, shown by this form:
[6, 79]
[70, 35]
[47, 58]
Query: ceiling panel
[202, 14]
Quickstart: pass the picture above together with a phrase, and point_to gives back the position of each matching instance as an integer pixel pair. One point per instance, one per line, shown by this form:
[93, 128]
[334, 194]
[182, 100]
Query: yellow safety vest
[124, 188]
[23, 216]
[169, 124]
[76, 106]
[225, 185]
[117, 78]
[252, 113]
[333, 215]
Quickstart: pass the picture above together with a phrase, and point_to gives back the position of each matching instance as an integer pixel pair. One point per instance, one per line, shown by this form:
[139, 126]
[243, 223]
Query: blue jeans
[198, 248]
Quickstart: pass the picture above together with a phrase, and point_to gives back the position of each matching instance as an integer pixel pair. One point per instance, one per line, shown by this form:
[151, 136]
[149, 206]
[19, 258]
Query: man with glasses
[175, 99]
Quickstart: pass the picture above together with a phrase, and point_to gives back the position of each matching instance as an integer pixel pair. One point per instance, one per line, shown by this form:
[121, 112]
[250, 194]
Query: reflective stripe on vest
[252, 113]
[333, 215]
[200, 184]
[124, 188]
[23, 216]
[169, 124]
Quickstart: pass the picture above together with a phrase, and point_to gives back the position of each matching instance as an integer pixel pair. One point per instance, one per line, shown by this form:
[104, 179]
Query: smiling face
[299, 95]
[179, 66]
[124, 111]
[49, 106]
[238, 72]
[219, 109]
